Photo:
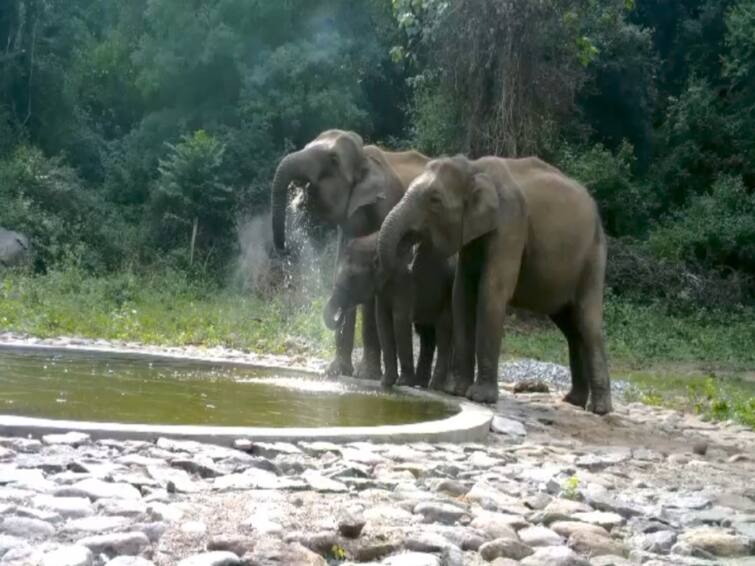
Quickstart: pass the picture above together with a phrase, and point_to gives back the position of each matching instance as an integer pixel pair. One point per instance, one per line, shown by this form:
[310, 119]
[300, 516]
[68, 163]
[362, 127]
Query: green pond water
[139, 389]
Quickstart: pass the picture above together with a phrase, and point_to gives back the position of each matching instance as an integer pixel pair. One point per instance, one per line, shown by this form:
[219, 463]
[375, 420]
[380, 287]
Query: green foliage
[625, 206]
[191, 198]
[716, 229]
[47, 200]
[570, 488]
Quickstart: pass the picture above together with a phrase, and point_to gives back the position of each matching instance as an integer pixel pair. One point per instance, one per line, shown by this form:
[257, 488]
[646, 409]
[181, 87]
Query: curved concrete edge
[470, 424]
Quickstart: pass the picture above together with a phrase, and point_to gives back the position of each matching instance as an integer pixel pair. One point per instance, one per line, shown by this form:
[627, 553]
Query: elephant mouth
[334, 315]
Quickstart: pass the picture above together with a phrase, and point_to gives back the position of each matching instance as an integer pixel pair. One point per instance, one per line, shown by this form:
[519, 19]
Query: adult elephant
[527, 236]
[353, 186]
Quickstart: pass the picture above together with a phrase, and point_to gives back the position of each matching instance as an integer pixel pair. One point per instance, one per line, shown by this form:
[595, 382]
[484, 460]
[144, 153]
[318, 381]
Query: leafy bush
[636, 272]
[625, 205]
[46, 200]
[716, 230]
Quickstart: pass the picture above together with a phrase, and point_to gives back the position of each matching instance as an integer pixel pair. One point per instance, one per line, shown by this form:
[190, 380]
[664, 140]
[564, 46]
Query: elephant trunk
[293, 166]
[397, 225]
[332, 314]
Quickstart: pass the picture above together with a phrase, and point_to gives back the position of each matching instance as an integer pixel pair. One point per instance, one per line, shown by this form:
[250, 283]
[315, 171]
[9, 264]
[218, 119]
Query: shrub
[716, 229]
[46, 200]
[624, 204]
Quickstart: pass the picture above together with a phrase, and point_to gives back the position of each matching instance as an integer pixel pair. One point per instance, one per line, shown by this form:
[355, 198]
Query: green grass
[670, 360]
[715, 397]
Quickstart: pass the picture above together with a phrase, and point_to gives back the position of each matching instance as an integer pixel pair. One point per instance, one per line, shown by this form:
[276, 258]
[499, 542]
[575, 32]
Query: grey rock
[602, 518]
[133, 508]
[610, 560]
[7, 542]
[203, 467]
[716, 541]
[426, 541]
[130, 543]
[498, 525]
[28, 528]
[554, 556]
[600, 461]
[504, 548]
[255, 478]
[412, 559]
[320, 483]
[444, 513]
[72, 555]
[92, 525]
[24, 555]
[237, 544]
[350, 525]
[66, 507]
[509, 427]
[540, 536]
[129, 561]
[594, 545]
[453, 488]
[505, 562]
[214, 558]
[568, 528]
[68, 439]
[98, 489]
[452, 556]
[23, 445]
[273, 449]
[563, 510]
[14, 247]
[659, 542]
[689, 501]
[273, 552]
[153, 530]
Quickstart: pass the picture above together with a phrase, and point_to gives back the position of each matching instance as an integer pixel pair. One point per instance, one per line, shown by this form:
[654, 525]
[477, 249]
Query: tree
[190, 192]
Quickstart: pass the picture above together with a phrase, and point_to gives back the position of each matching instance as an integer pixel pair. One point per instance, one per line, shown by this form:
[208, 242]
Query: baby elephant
[417, 290]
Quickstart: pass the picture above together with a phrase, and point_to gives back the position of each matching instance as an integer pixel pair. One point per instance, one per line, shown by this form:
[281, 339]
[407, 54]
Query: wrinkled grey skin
[527, 236]
[14, 248]
[352, 186]
[417, 291]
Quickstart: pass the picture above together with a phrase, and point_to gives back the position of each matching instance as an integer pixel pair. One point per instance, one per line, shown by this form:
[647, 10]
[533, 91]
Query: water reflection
[127, 388]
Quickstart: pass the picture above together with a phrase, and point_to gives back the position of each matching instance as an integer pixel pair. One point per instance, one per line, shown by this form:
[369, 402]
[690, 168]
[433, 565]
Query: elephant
[352, 186]
[417, 290]
[14, 247]
[526, 236]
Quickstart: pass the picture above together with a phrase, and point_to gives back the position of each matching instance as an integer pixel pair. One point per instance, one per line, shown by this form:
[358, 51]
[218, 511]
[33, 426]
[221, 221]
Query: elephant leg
[344, 346]
[369, 367]
[402, 330]
[589, 318]
[497, 284]
[444, 342]
[426, 350]
[387, 342]
[580, 390]
[464, 313]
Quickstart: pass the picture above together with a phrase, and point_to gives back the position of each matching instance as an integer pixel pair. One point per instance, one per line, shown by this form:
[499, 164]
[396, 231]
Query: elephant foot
[600, 404]
[437, 383]
[408, 379]
[483, 392]
[369, 369]
[456, 385]
[422, 379]
[388, 380]
[576, 397]
[339, 367]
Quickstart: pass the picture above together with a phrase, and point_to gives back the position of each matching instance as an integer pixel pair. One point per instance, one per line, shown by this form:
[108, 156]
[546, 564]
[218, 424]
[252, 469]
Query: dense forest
[127, 127]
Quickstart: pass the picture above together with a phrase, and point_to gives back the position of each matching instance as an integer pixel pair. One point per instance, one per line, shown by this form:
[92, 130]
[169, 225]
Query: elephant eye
[334, 159]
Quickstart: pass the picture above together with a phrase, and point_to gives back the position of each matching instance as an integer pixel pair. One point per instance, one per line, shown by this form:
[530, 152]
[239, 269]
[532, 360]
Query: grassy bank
[686, 361]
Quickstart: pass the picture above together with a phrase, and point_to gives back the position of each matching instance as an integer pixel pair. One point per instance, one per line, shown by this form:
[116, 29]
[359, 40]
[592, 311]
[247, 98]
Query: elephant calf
[416, 290]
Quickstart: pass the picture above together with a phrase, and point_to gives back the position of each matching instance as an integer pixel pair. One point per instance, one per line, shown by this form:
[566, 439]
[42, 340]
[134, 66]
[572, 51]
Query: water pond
[128, 388]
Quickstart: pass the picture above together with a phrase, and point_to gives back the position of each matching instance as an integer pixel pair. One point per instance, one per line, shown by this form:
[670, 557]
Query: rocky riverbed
[551, 485]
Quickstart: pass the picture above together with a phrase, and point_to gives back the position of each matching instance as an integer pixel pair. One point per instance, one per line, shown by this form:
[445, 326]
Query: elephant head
[452, 203]
[355, 281]
[332, 169]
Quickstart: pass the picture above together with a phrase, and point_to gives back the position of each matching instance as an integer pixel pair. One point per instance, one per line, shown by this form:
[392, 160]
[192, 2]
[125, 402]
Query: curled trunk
[332, 314]
[295, 166]
[397, 225]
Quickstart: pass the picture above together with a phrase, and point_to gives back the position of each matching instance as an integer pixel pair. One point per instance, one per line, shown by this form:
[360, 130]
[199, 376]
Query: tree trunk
[193, 240]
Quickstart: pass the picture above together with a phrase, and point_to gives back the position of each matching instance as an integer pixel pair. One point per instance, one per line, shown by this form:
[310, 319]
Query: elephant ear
[369, 189]
[480, 208]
